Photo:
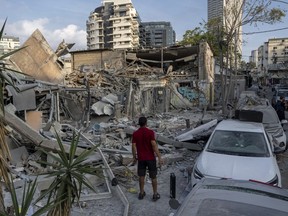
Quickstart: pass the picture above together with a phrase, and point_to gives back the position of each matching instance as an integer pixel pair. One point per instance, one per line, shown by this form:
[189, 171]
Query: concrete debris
[102, 98]
[102, 108]
[19, 155]
[196, 132]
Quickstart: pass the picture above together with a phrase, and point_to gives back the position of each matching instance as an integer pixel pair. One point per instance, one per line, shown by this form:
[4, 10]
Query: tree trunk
[2, 207]
[63, 209]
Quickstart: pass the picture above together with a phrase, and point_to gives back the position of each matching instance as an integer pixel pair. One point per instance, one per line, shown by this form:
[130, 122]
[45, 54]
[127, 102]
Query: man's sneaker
[141, 195]
[156, 197]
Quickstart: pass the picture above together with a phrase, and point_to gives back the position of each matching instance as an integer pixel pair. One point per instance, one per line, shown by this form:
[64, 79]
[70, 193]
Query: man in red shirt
[144, 148]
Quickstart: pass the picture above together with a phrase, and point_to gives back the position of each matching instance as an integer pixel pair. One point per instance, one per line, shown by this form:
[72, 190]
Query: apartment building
[277, 51]
[114, 25]
[223, 10]
[254, 57]
[273, 54]
[157, 34]
[215, 9]
[8, 44]
[262, 65]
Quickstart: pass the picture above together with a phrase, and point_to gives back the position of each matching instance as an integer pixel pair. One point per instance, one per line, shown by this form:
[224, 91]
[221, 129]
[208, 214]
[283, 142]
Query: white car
[238, 150]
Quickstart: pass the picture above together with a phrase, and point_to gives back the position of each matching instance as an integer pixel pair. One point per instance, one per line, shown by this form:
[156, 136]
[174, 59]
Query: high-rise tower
[228, 13]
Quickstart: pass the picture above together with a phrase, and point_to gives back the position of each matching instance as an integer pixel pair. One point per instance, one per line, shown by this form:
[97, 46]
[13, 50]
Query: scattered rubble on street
[101, 97]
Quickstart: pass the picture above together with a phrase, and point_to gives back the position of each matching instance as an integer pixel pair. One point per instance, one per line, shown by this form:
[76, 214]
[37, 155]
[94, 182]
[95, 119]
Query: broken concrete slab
[24, 129]
[38, 59]
[19, 155]
[110, 98]
[189, 135]
[165, 140]
[102, 108]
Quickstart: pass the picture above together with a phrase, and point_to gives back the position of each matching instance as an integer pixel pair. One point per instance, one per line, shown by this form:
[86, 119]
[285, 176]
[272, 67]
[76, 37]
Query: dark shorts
[152, 168]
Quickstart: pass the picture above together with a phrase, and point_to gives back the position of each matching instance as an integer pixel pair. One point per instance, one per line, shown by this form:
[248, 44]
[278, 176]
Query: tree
[237, 14]
[4, 149]
[194, 36]
[225, 35]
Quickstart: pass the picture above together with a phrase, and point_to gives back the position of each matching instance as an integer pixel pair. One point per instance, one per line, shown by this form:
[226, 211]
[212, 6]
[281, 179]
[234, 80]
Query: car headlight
[274, 181]
[197, 174]
[279, 133]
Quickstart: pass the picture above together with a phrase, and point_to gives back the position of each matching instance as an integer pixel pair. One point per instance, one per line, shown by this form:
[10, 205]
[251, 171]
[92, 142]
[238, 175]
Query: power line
[284, 2]
[259, 32]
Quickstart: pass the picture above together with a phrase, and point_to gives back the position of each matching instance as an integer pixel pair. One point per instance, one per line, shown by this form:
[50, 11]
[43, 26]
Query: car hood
[237, 167]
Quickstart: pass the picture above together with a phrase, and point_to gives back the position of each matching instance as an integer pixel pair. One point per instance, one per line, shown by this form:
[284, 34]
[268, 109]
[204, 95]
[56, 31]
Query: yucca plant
[4, 150]
[22, 209]
[69, 172]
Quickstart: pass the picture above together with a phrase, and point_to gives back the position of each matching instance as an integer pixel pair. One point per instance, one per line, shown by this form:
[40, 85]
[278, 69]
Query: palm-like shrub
[4, 150]
[69, 172]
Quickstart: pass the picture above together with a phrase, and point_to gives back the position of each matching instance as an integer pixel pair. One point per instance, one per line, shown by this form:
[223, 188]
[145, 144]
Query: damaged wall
[97, 60]
[148, 96]
[38, 59]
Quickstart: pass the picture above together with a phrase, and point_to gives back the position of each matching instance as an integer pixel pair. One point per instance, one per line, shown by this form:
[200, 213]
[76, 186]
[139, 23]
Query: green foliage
[200, 34]
[4, 149]
[193, 37]
[26, 202]
[69, 173]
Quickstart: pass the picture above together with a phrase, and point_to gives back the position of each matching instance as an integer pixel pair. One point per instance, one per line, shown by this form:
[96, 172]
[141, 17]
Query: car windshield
[251, 144]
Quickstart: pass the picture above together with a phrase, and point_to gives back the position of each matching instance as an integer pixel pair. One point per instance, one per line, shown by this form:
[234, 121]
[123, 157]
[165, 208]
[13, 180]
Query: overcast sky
[66, 19]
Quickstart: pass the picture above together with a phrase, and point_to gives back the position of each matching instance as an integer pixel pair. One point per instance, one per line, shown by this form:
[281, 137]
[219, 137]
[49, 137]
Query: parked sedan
[233, 198]
[238, 150]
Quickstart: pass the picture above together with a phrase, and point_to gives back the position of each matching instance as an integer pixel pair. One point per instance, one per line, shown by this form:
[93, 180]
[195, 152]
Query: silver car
[232, 198]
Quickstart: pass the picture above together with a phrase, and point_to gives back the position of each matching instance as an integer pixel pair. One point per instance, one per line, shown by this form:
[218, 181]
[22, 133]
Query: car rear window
[239, 143]
[218, 207]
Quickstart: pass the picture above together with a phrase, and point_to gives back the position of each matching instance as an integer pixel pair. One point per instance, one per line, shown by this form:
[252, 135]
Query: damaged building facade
[47, 98]
[152, 80]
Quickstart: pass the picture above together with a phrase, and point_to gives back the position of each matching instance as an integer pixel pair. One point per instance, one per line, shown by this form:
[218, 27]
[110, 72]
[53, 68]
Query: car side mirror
[174, 203]
[278, 150]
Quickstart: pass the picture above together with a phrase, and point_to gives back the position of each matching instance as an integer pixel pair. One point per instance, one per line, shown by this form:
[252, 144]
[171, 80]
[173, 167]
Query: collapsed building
[53, 94]
[152, 80]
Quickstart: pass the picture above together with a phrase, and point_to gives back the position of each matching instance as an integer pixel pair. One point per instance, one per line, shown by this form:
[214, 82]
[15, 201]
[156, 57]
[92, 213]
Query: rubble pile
[101, 101]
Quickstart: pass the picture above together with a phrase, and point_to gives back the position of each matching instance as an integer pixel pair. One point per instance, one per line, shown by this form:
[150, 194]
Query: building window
[274, 48]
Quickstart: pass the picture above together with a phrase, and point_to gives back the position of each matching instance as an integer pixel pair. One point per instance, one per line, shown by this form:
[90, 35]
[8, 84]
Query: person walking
[280, 108]
[144, 148]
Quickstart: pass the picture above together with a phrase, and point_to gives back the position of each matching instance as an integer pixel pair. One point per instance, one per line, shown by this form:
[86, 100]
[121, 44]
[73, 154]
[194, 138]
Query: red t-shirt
[143, 137]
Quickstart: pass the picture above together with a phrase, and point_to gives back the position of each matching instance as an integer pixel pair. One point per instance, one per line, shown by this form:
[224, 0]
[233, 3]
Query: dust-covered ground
[114, 207]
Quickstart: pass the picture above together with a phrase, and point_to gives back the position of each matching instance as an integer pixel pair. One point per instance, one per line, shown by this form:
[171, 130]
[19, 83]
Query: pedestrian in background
[144, 148]
[280, 108]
